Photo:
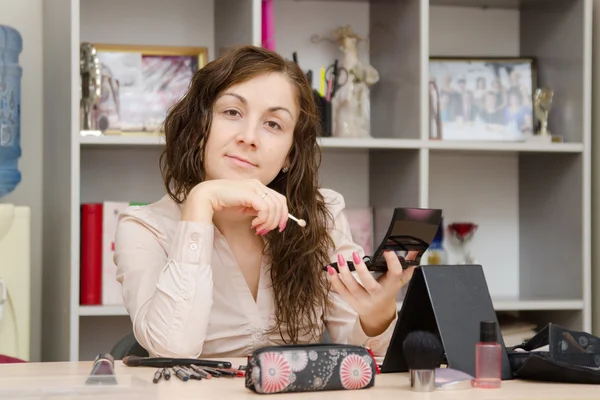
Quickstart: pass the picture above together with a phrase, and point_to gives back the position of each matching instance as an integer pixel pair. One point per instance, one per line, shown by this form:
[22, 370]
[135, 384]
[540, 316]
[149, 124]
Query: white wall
[26, 17]
[149, 22]
[464, 31]
[296, 21]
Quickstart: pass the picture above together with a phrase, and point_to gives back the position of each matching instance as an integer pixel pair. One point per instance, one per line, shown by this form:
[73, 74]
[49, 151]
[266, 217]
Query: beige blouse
[187, 297]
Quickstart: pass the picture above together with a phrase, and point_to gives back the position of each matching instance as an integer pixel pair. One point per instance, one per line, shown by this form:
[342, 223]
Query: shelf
[506, 146]
[106, 311]
[122, 140]
[370, 143]
[333, 143]
[500, 4]
[516, 304]
[500, 304]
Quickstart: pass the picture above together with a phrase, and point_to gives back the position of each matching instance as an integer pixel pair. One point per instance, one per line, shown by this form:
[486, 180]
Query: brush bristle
[422, 350]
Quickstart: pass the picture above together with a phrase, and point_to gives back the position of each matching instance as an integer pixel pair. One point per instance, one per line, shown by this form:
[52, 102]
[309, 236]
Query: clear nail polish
[488, 357]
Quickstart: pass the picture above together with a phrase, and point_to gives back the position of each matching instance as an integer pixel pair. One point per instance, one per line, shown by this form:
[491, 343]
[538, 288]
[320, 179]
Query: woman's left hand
[373, 299]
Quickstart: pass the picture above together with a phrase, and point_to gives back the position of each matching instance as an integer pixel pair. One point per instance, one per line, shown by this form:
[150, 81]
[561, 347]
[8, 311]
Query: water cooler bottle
[15, 235]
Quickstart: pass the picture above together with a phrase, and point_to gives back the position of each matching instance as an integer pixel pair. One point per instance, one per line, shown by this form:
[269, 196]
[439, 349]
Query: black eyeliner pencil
[201, 372]
[213, 372]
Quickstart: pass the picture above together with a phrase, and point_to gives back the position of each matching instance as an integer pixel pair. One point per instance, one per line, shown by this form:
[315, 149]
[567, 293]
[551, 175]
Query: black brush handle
[134, 361]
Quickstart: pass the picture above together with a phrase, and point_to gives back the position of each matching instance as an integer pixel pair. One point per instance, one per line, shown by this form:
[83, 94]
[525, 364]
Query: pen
[322, 82]
[213, 372]
[222, 372]
[232, 372]
[157, 375]
[167, 374]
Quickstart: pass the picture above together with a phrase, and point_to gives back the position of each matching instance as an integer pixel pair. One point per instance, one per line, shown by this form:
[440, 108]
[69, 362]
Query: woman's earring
[284, 170]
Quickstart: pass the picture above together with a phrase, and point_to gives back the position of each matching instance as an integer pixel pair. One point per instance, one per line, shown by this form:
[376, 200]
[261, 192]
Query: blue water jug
[11, 45]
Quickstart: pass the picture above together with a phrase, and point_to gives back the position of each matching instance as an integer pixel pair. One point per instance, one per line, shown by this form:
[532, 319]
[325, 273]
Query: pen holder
[324, 111]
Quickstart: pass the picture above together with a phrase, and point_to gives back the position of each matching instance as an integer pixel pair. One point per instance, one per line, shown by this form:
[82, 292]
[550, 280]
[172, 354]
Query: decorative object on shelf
[351, 103]
[542, 103]
[436, 253]
[11, 45]
[140, 84]
[462, 233]
[435, 123]
[484, 98]
[268, 25]
[91, 87]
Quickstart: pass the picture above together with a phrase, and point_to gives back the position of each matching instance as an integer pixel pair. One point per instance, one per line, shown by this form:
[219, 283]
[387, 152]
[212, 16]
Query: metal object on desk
[91, 84]
[103, 371]
[542, 104]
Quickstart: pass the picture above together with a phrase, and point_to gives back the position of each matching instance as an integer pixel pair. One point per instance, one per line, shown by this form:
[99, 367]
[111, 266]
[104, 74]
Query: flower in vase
[462, 230]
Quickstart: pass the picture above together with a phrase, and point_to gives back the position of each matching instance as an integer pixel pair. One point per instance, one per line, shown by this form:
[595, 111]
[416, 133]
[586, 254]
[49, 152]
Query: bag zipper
[308, 347]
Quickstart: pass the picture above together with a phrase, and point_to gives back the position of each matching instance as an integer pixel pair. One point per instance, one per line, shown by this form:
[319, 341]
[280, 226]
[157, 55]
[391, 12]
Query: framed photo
[141, 83]
[481, 98]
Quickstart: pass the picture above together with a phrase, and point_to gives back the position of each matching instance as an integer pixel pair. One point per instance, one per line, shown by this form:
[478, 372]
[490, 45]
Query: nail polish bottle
[488, 357]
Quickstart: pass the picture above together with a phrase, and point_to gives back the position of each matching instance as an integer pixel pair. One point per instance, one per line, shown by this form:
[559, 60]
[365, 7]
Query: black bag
[556, 354]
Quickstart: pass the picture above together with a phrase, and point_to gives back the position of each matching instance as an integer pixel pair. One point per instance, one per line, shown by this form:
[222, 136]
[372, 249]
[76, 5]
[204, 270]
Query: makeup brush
[300, 222]
[423, 353]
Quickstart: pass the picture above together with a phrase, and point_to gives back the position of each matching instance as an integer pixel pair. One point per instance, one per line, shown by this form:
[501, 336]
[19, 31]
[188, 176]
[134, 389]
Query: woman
[216, 268]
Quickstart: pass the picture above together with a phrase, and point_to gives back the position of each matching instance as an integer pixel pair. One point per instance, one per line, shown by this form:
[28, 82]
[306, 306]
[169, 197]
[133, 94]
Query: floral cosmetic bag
[305, 368]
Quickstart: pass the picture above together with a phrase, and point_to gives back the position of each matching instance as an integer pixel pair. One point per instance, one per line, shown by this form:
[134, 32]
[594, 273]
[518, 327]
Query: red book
[91, 255]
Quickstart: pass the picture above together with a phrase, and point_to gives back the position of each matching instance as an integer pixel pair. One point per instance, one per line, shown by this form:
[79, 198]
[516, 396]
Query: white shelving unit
[531, 200]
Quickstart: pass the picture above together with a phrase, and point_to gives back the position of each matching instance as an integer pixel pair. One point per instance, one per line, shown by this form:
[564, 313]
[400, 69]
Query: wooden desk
[387, 386]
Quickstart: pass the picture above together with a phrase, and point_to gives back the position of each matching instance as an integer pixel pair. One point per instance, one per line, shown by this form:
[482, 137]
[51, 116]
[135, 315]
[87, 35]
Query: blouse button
[193, 247]
[194, 236]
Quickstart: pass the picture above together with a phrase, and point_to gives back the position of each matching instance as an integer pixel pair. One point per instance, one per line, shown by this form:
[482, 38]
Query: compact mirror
[410, 229]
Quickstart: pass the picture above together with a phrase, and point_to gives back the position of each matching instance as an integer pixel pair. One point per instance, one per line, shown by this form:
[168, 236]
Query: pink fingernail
[330, 270]
[341, 261]
[356, 257]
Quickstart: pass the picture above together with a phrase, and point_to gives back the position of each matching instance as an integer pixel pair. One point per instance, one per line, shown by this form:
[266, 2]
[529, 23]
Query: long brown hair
[297, 254]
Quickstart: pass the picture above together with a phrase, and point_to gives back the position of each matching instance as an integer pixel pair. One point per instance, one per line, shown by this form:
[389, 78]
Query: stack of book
[98, 272]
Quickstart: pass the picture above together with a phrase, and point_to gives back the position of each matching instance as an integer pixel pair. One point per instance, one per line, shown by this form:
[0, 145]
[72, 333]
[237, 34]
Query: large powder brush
[423, 353]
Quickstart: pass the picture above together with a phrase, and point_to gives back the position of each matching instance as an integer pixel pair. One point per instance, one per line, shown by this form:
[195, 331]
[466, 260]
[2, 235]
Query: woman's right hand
[248, 196]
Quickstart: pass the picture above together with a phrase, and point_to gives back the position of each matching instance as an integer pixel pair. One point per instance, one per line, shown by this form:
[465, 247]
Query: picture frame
[486, 98]
[140, 83]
